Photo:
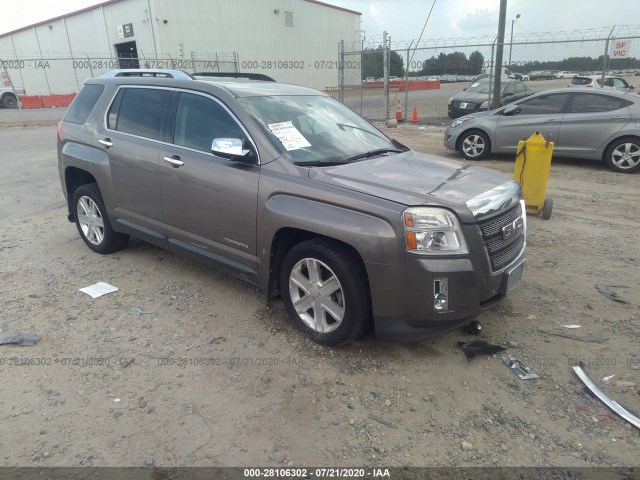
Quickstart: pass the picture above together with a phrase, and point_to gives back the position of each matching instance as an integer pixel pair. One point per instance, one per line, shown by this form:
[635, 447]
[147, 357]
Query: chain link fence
[382, 79]
[53, 81]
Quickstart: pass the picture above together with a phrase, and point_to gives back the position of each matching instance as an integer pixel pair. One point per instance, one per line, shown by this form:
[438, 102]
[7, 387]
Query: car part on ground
[595, 124]
[288, 189]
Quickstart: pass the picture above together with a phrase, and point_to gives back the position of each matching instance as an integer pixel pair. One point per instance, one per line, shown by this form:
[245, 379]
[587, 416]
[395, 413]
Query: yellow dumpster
[533, 163]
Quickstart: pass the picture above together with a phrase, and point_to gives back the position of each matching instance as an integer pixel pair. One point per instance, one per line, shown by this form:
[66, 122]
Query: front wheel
[624, 155]
[325, 291]
[93, 223]
[475, 145]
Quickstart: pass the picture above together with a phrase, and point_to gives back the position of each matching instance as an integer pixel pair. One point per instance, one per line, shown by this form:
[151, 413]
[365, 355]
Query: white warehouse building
[293, 41]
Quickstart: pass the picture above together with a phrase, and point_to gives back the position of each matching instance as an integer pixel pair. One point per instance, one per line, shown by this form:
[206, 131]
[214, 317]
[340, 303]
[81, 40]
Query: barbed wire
[600, 33]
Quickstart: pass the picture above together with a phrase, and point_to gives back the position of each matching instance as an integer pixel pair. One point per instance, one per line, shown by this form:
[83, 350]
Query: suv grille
[502, 251]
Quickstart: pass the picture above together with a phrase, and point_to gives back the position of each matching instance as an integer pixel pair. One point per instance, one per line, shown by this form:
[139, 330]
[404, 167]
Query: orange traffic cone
[414, 117]
[399, 116]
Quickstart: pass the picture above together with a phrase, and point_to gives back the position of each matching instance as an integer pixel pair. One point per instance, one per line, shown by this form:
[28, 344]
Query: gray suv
[287, 188]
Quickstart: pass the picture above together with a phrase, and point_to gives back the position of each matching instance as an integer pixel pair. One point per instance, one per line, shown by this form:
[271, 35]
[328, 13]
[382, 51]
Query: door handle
[106, 142]
[618, 118]
[174, 161]
[551, 120]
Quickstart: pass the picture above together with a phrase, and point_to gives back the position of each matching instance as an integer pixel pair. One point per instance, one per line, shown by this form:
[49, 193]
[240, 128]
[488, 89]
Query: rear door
[538, 114]
[209, 202]
[135, 130]
[591, 121]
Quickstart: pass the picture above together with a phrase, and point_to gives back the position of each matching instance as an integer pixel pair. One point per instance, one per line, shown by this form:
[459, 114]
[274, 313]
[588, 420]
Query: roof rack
[145, 72]
[250, 76]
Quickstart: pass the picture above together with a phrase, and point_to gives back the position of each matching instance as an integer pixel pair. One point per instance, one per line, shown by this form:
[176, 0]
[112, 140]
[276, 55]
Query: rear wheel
[475, 145]
[547, 208]
[624, 155]
[325, 292]
[93, 223]
[9, 101]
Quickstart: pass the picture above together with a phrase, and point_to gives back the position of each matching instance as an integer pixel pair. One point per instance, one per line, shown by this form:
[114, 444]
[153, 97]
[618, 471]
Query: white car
[612, 83]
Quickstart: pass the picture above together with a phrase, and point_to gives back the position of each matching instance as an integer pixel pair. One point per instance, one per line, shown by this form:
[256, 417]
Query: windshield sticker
[289, 135]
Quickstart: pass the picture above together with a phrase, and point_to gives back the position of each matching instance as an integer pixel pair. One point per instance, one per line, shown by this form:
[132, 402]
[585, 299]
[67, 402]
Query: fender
[374, 238]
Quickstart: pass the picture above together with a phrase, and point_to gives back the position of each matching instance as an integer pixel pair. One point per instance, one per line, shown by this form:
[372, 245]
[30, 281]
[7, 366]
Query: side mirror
[631, 87]
[232, 149]
[511, 110]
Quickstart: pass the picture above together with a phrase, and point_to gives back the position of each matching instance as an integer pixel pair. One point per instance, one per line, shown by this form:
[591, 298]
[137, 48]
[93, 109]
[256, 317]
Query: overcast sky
[403, 19]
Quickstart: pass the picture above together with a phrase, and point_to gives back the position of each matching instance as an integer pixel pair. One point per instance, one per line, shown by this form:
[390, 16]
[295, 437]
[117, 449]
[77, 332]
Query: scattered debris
[381, 420]
[479, 347]
[584, 338]
[216, 340]
[607, 378]
[141, 311]
[583, 408]
[117, 400]
[98, 289]
[571, 326]
[612, 404]
[23, 339]
[606, 291]
[519, 368]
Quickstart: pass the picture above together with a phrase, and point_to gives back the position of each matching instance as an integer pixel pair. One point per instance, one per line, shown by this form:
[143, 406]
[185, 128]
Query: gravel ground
[206, 374]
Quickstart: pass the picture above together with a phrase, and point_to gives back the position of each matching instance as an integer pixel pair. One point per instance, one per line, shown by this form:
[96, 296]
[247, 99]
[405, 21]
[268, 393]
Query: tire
[9, 101]
[475, 145]
[547, 208]
[93, 223]
[623, 155]
[339, 306]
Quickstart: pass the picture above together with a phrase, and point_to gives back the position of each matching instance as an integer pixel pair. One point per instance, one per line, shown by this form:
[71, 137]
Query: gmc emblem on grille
[513, 229]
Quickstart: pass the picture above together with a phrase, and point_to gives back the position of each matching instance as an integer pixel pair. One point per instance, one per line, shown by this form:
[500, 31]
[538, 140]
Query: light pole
[511, 43]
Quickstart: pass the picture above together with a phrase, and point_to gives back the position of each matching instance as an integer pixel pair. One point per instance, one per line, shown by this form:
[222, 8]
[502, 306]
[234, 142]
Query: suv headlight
[449, 101]
[432, 231]
[484, 104]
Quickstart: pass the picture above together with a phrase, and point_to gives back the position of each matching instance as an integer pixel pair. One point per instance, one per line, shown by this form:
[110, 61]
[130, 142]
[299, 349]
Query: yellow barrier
[533, 164]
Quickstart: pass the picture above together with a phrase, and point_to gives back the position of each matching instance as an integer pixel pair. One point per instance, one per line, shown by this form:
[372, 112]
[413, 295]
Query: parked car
[542, 75]
[478, 95]
[615, 83]
[519, 76]
[8, 93]
[563, 74]
[591, 124]
[289, 189]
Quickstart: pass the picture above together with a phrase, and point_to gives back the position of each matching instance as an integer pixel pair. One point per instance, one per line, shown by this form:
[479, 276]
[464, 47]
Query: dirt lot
[207, 375]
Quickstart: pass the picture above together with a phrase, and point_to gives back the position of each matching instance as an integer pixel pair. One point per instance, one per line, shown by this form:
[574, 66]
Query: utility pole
[497, 86]
[511, 42]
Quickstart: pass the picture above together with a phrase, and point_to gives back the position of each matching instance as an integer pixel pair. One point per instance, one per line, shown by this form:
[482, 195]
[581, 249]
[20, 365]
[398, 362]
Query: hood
[411, 178]
[472, 97]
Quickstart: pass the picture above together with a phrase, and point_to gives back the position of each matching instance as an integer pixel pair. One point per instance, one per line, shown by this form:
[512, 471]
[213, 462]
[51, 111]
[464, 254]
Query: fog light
[441, 295]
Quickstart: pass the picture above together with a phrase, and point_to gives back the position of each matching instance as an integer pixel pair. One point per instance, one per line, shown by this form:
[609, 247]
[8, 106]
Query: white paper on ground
[98, 289]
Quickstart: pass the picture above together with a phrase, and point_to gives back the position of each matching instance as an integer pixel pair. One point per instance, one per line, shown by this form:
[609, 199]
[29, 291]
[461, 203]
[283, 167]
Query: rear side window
[587, 103]
[581, 81]
[83, 103]
[139, 111]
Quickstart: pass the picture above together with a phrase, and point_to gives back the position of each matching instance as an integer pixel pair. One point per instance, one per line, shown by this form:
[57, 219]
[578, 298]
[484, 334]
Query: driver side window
[200, 119]
[544, 105]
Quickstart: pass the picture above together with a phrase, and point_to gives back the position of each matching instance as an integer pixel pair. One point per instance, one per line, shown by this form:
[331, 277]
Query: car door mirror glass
[230, 148]
[511, 110]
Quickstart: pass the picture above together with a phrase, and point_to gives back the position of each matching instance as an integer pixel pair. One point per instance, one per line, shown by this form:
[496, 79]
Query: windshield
[315, 129]
[479, 87]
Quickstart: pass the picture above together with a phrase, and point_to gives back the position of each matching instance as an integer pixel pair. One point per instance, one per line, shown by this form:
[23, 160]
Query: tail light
[6, 81]
[60, 129]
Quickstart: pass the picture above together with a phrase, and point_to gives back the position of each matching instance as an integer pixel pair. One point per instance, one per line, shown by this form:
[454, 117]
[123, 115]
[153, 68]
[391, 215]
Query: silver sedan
[598, 125]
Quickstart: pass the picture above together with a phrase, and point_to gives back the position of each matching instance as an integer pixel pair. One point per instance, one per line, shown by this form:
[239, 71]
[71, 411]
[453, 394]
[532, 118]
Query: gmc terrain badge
[512, 229]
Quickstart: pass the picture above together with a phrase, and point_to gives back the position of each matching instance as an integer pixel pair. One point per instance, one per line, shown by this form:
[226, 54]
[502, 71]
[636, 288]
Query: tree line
[457, 63]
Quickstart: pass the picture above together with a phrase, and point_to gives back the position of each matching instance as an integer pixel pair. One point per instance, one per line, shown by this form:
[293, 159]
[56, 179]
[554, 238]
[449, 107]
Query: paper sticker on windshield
[289, 135]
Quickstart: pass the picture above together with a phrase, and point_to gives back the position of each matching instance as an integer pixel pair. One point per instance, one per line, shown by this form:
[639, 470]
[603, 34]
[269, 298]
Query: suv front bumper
[404, 303]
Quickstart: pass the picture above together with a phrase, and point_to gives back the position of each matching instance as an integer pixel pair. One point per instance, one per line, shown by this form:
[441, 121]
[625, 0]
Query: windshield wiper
[373, 153]
[342, 126]
[320, 163]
